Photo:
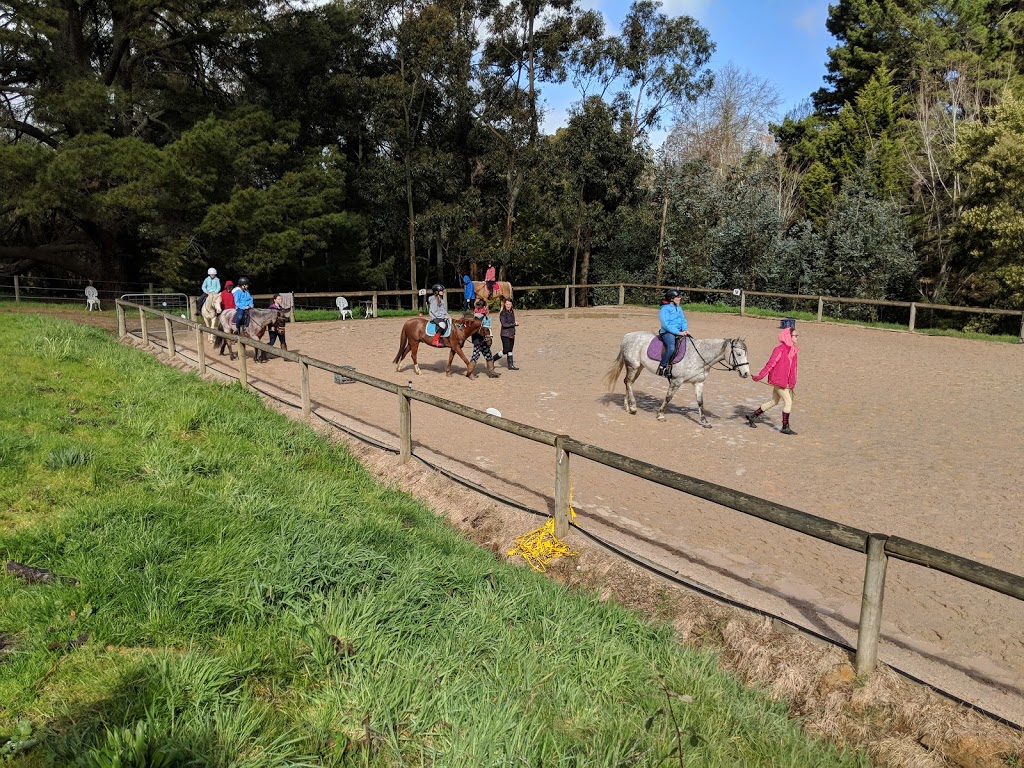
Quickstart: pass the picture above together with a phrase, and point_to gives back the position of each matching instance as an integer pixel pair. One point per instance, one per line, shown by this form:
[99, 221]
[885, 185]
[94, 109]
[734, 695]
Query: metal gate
[165, 302]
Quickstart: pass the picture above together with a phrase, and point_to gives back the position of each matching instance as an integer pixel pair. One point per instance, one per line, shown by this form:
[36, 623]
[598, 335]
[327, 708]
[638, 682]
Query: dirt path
[892, 438]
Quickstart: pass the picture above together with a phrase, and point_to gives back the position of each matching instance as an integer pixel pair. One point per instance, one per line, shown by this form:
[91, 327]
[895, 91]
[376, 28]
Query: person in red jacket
[781, 372]
[227, 298]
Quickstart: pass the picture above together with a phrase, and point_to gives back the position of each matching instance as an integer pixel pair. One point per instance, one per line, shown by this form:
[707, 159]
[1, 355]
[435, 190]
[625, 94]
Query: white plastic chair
[342, 303]
[92, 298]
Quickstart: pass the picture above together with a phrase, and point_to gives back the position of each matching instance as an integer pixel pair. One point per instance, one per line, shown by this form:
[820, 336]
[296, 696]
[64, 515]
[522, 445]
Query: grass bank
[234, 590]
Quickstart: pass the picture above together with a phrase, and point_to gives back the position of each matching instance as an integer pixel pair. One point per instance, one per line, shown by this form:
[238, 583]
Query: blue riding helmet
[787, 322]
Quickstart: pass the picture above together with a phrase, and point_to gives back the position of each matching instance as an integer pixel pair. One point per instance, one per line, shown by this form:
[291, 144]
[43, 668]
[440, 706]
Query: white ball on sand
[493, 412]
[183, 317]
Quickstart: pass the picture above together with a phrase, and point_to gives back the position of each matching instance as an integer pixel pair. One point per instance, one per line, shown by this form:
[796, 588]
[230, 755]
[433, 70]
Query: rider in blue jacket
[468, 293]
[673, 325]
[243, 303]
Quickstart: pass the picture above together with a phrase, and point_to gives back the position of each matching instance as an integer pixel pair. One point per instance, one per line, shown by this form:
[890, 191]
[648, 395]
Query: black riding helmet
[672, 293]
[243, 281]
[437, 288]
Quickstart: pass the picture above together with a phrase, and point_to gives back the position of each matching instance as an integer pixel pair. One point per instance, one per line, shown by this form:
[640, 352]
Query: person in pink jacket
[781, 372]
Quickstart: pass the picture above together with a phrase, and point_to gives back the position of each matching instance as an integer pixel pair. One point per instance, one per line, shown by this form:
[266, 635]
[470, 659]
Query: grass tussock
[249, 595]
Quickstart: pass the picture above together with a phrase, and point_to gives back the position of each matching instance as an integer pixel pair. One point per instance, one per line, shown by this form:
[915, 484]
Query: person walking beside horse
[482, 341]
[781, 372]
[468, 294]
[508, 322]
[673, 327]
[276, 330]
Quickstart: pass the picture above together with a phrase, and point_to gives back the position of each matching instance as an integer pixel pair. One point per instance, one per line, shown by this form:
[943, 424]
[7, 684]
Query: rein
[732, 365]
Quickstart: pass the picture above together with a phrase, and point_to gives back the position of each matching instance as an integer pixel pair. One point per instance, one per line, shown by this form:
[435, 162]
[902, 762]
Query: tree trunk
[584, 270]
[411, 213]
[661, 238]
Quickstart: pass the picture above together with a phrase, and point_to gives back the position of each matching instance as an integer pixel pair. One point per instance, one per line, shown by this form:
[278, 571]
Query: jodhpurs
[507, 342]
[481, 346]
[275, 335]
[669, 340]
[780, 393]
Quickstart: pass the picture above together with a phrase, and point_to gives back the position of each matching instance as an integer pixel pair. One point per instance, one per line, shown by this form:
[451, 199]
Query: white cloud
[812, 20]
[693, 8]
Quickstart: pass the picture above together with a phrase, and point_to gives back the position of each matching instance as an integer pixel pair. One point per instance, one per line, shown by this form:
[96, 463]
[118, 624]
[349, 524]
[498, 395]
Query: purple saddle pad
[655, 349]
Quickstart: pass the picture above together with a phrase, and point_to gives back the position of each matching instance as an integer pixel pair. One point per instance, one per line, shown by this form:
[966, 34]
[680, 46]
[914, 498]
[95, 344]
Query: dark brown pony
[502, 290]
[259, 321]
[414, 333]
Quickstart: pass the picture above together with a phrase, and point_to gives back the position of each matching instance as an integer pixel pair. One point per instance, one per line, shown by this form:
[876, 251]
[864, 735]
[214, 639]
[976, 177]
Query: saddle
[656, 347]
[432, 332]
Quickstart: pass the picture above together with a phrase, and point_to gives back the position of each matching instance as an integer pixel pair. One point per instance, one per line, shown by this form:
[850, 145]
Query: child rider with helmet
[673, 326]
[438, 312]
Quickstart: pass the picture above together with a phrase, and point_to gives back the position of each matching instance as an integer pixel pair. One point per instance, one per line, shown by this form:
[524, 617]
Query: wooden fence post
[169, 335]
[404, 425]
[1021, 334]
[913, 316]
[567, 297]
[373, 307]
[145, 329]
[122, 326]
[622, 295]
[743, 303]
[307, 405]
[17, 290]
[561, 488]
[192, 311]
[243, 369]
[870, 625]
[200, 350]
[821, 307]
[149, 287]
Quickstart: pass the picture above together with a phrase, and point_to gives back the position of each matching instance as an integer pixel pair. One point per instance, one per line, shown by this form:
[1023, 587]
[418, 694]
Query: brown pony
[414, 333]
[503, 290]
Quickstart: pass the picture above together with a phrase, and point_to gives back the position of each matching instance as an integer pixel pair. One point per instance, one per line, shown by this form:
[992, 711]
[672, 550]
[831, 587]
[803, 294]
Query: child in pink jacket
[781, 372]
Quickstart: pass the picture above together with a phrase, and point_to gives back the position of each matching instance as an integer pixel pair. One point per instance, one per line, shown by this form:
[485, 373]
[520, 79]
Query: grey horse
[259, 321]
[701, 354]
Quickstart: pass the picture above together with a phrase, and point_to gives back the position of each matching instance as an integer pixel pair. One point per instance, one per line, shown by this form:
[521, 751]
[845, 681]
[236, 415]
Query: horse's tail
[612, 377]
[403, 347]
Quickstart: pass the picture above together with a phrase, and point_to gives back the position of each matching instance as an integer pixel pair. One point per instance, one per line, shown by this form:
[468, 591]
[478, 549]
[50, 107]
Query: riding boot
[437, 340]
[661, 371]
[490, 370]
[511, 363]
[786, 429]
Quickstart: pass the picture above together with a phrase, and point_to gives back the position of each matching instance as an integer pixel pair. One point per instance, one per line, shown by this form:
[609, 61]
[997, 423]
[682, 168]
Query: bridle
[732, 365]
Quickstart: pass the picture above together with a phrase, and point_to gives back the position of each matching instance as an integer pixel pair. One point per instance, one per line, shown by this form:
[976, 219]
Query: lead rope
[539, 547]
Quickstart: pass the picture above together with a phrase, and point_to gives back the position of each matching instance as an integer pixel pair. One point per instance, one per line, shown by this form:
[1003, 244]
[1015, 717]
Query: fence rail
[876, 547]
[39, 289]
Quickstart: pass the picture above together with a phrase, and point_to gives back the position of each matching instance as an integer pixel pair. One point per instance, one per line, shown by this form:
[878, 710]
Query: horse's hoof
[661, 417]
[706, 426]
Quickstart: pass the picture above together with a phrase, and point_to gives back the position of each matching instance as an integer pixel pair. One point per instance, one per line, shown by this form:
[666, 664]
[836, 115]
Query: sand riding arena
[898, 433]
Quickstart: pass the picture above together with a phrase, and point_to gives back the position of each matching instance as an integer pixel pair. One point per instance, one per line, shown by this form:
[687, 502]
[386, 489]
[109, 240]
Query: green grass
[249, 596]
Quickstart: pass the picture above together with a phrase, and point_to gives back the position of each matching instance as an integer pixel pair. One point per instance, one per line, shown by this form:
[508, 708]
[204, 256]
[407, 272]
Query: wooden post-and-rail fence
[570, 300]
[877, 547]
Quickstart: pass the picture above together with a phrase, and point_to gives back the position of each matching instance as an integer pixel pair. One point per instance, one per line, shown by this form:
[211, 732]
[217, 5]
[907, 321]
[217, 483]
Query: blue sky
[782, 41]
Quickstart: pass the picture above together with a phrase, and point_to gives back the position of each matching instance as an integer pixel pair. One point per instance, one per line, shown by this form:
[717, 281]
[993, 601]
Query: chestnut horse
[414, 333]
[502, 290]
